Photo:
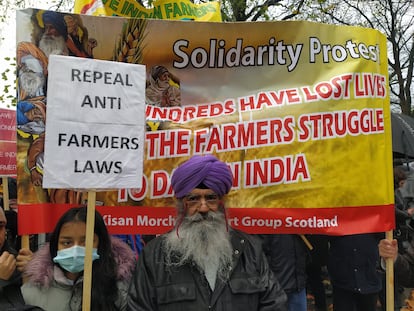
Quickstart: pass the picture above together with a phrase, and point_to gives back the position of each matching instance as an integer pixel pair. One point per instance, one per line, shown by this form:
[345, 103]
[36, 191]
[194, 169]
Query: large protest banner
[299, 111]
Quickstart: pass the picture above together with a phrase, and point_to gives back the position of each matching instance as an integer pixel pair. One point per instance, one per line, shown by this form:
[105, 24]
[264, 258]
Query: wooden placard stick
[6, 201]
[389, 277]
[306, 241]
[87, 272]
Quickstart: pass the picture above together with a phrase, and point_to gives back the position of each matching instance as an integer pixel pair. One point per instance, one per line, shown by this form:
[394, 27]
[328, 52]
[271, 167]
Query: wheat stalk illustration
[129, 48]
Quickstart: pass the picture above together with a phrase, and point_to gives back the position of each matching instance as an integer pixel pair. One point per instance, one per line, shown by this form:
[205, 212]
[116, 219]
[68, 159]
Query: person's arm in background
[403, 264]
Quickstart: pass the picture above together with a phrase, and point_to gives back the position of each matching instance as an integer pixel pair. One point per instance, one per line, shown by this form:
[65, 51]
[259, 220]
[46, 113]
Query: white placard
[95, 127]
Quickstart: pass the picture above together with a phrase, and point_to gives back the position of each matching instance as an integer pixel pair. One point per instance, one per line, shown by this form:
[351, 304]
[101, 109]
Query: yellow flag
[162, 9]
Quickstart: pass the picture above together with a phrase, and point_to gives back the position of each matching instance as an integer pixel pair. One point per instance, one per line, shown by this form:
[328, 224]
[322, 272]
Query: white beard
[32, 83]
[204, 241]
[53, 45]
[163, 85]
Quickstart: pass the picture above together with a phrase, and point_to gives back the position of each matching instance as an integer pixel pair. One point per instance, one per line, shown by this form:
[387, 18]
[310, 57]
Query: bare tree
[255, 10]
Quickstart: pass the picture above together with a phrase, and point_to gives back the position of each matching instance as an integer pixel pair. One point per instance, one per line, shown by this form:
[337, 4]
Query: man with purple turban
[203, 264]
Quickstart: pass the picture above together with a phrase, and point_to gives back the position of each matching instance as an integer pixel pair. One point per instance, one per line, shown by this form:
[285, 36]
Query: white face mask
[72, 259]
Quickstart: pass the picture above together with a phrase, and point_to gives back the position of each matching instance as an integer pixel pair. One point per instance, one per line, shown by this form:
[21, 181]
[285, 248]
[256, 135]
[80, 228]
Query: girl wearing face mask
[55, 274]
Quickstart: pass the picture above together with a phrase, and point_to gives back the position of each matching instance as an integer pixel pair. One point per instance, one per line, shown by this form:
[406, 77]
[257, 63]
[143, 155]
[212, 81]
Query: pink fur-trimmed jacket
[47, 287]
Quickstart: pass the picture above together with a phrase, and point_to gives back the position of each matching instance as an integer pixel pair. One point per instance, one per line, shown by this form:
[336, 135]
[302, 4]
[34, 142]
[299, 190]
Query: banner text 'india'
[299, 111]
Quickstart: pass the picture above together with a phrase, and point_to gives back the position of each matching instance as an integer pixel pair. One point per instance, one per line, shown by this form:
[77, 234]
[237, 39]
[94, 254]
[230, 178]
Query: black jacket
[286, 254]
[404, 267]
[251, 286]
[353, 263]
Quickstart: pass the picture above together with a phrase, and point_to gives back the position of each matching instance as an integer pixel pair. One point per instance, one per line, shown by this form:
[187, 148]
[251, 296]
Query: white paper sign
[95, 127]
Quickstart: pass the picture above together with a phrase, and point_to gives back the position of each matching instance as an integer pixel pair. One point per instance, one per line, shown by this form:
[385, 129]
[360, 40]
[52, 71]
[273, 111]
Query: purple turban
[57, 20]
[206, 170]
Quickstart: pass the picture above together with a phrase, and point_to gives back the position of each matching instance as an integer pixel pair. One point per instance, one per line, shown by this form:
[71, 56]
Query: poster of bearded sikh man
[51, 33]
[162, 88]
[62, 35]
[50, 36]
[31, 105]
[32, 71]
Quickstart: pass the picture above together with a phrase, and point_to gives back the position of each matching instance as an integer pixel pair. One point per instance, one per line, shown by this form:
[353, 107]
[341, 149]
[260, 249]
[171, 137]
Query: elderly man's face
[165, 76]
[31, 77]
[202, 237]
[201, 201]
[50, 30]
[52, 42]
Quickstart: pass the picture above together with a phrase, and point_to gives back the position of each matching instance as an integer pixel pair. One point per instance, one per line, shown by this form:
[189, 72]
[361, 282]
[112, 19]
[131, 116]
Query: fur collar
[40, 269]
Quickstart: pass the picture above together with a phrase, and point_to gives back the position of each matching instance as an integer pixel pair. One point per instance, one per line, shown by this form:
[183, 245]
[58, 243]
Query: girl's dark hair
[104, 269]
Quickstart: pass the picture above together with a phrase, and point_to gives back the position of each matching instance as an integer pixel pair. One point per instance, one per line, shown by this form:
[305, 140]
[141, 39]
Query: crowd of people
[202, 263]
